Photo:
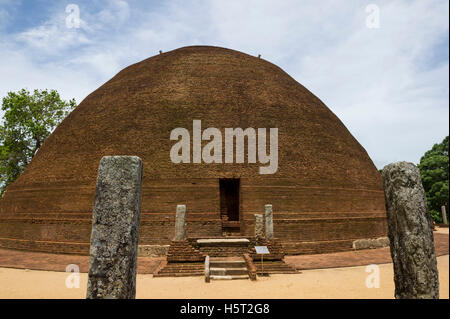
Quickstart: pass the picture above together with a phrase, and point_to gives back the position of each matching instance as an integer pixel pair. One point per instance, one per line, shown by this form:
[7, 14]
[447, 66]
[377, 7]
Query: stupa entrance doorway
[229, 205]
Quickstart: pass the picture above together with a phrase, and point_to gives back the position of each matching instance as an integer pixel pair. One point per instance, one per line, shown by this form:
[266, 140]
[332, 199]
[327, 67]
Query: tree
[434, 168]
[28, 121]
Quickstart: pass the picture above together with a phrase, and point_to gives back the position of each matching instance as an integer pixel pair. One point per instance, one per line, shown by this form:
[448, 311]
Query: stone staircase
[181, 270]
[228, 268]
[182, 260]
[226, 254]
[183, 251]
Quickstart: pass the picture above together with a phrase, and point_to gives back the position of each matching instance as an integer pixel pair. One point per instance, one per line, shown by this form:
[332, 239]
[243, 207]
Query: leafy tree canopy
[434, 168]
[28, 120]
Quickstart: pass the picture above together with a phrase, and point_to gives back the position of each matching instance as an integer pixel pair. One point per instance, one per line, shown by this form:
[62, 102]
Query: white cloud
[19, 72]
[51, 38]
[117, 13]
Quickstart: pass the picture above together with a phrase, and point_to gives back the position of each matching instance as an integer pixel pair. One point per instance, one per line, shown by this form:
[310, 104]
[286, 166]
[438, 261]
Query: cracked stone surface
[268, 212]
[115, 228]
[410, 233]
[259, 227]
[180, 223]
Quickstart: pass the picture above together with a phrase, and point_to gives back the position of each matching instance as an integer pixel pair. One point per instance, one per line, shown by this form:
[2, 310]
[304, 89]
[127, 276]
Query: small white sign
[262, 250]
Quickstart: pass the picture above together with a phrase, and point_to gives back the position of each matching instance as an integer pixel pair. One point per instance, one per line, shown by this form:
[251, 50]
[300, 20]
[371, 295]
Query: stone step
[223, 242]
[184, 265]
[214, 271]
[230, 277]
[180, 270]
[195, 238]
[227, 264]
[223, 251]
[177, 274]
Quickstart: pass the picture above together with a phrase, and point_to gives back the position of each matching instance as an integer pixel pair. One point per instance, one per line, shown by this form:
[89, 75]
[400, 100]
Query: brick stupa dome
[325, 194]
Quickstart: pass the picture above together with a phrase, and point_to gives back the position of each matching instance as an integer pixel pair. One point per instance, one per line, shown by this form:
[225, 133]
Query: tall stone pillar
[180, 223]
[444, 215]
[259, 227]
[410, 233]
[115, 229]
[269, 222]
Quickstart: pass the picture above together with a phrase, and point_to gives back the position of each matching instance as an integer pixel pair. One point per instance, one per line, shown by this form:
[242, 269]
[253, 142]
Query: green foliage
[434, 168]
[28, 121]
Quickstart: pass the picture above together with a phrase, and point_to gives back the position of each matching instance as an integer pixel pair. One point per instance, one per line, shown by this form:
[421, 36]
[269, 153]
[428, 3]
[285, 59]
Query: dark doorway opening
[229, 205]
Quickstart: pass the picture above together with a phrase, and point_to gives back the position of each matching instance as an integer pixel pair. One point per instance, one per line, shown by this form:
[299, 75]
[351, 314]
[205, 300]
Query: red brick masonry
[147, 265]
[325, 194]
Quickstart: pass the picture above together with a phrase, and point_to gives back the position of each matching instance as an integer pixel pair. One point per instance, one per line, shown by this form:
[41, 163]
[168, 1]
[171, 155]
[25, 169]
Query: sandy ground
[349, 282]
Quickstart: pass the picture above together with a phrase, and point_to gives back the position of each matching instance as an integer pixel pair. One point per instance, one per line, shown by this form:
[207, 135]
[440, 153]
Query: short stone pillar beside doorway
[180, 223]
[268, 212]
[259, 227]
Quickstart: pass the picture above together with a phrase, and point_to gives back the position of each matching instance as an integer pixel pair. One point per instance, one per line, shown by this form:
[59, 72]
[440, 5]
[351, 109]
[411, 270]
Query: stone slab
[223, 241]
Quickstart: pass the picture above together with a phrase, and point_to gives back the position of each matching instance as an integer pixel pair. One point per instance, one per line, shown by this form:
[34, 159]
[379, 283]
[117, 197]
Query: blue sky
[389, 85]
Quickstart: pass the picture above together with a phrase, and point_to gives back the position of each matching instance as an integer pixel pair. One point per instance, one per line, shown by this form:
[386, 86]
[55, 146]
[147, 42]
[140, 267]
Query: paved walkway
[358, 257]
[147, 265]
[55, 262]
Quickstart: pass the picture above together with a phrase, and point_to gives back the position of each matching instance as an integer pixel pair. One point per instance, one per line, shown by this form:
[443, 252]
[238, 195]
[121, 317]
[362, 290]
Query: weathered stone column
[259, 227]
[115, 229]
[444, 215]
[180, 223]
[410, 233]
[269, 222]
[207, 272]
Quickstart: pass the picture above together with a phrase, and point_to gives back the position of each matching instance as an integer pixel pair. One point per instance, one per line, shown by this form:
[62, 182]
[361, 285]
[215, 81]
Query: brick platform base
[183, 251]
[185, 258]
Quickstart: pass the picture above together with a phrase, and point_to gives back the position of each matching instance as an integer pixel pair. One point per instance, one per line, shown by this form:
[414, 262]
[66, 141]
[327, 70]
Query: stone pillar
[444, 215]
[115, 229]
[259, 227]
[180, 223]
[410, 233]
[269, 222]
[207, 272]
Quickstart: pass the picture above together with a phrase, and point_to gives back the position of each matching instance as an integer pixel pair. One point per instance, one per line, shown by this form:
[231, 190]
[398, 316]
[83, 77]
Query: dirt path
[347, 282]
[320, 277]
